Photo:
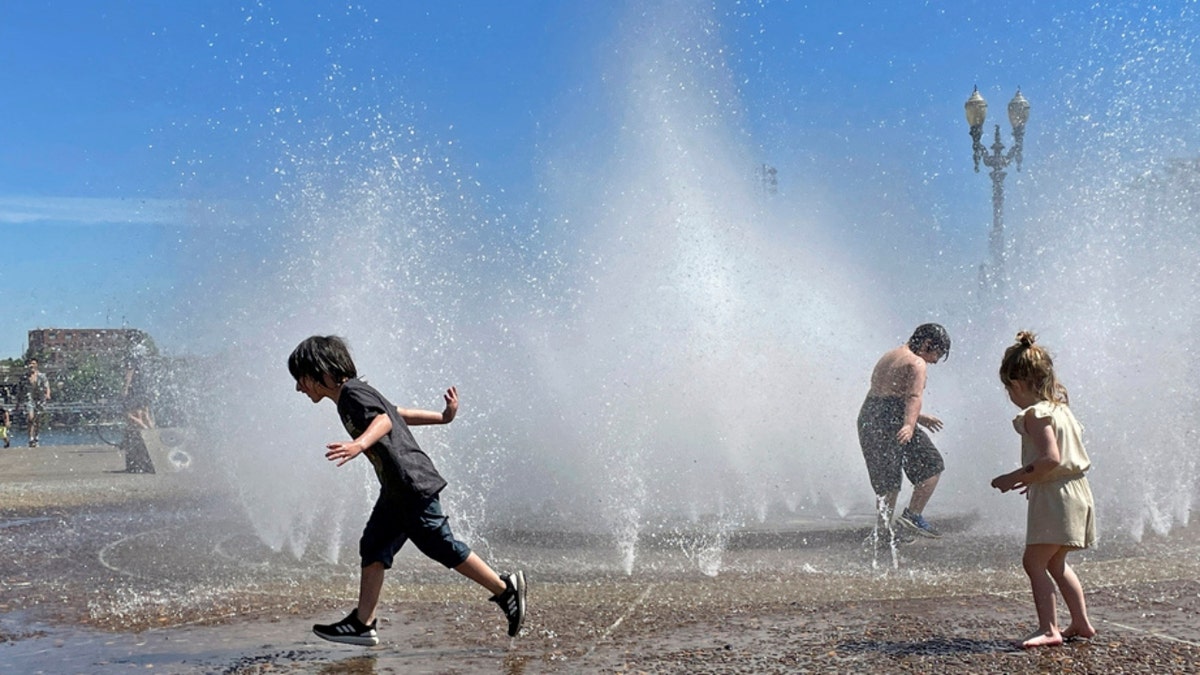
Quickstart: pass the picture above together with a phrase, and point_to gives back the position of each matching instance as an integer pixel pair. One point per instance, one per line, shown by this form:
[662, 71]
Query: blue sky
[124, 120]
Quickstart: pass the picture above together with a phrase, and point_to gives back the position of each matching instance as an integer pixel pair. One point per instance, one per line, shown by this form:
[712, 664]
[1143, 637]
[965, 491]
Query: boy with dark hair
[408, 506]
[889, 433]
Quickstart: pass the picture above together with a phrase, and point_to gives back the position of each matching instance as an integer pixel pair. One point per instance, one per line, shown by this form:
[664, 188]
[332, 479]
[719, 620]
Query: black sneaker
[512, 601]
[350, 631]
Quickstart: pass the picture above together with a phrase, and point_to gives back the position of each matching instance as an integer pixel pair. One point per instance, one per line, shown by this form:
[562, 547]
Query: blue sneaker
[917, 523]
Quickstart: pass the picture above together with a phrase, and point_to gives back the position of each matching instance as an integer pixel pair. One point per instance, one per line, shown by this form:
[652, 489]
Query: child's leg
[921, 494]
[430, 531]
[1072, 592]
[885, 508]
[369, 589]
[1036, 562]
[478, 571]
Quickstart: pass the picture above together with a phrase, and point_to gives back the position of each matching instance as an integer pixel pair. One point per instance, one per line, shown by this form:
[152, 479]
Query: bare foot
[1042, 638]
[1084, 633]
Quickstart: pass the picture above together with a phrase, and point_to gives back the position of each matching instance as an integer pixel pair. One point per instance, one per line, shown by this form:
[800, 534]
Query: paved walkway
[113, 572]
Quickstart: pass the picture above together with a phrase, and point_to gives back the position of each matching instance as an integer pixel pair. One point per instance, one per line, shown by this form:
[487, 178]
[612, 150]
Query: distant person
[35, 394]
[1061, 515]
[5, 421]
[889, 435]
[137, 392]
[408, 505]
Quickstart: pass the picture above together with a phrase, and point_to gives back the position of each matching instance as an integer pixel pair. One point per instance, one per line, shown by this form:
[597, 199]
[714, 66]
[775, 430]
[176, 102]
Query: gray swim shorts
[878, 421]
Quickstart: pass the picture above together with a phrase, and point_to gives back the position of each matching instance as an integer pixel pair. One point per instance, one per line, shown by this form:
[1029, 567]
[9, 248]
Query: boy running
[408, 506]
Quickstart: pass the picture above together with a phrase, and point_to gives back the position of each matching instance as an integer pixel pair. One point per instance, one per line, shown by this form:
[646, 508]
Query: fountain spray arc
[670, 350]
[646, 370]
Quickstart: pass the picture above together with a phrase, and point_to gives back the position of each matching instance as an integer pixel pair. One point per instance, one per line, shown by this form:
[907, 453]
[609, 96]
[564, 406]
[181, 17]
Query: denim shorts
[395, 521]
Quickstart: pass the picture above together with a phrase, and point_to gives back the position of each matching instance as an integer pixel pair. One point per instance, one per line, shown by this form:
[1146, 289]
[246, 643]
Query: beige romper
[1061, 510]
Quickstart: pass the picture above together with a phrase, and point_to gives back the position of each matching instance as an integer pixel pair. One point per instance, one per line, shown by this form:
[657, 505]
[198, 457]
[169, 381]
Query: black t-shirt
[404, 470]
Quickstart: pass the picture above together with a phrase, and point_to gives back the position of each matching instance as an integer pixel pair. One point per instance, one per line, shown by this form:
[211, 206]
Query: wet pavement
[107, 571]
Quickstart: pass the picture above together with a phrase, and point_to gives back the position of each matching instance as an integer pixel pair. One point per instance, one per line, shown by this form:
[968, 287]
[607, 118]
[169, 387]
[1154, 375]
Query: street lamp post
[993, 274]
[769, 177]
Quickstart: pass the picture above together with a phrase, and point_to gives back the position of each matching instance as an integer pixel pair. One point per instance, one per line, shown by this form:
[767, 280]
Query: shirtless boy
[889, 433]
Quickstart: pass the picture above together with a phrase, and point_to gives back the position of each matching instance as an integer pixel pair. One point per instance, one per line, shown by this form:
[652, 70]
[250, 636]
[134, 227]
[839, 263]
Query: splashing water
[677, 346]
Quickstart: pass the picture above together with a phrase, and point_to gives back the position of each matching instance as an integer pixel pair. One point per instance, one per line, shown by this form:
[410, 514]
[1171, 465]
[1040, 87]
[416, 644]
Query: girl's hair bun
[1026, 338]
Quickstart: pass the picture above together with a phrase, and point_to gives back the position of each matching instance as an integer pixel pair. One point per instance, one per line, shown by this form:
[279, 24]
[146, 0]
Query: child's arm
[1041, 432]
[342, 452]
[915, 374]
[415, 417]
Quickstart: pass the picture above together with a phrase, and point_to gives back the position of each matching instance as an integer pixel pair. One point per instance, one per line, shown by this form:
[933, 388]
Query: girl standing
[1061, 514]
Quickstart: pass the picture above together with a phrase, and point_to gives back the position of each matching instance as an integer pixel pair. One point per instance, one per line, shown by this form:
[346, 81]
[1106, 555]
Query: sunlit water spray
[651, 368]
[1101, 266]
[678, 351]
